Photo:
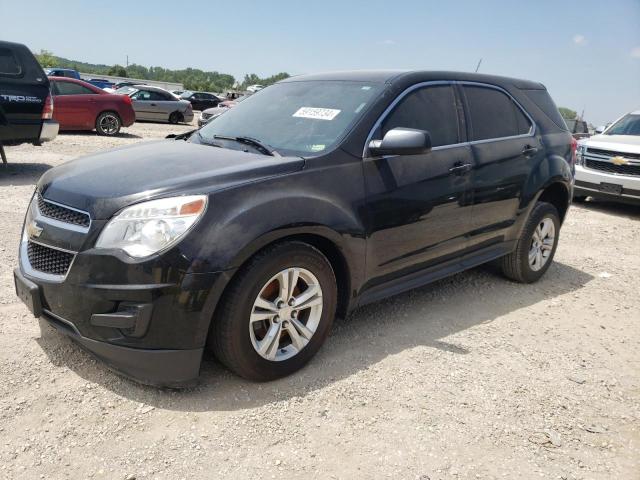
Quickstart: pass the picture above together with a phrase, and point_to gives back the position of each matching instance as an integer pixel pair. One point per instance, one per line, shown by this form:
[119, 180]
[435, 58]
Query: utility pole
[127, 60]
[478, 66]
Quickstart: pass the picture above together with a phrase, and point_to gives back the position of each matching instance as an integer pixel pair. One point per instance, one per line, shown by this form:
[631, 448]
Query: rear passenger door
[418, 205]
[505, 149]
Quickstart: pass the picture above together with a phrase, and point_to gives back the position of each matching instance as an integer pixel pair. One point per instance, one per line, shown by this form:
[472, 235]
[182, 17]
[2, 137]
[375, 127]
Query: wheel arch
[558, 195]
[324, 239]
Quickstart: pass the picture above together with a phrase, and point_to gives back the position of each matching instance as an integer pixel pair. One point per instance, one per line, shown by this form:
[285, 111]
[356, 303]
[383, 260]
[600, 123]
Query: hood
[618, 143]
[104, 183]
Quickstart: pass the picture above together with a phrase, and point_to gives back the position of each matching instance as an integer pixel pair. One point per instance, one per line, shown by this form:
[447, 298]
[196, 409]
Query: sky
[586, 52]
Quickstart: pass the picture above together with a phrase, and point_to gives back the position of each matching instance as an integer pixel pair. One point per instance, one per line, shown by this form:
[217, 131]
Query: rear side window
[493, 114]
[9, 64]
[544, 102]
[148, 95]
[429, 108]
[70, 88]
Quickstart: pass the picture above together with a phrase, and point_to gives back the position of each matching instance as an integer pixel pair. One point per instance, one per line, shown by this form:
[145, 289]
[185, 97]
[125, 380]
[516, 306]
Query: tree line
[191, 78]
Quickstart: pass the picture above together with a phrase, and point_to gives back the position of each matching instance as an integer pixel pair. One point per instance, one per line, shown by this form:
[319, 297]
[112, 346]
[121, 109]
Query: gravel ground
[471, 377]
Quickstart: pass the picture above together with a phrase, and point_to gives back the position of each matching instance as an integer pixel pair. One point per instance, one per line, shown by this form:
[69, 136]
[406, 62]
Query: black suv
[26, 107]
[316, 195]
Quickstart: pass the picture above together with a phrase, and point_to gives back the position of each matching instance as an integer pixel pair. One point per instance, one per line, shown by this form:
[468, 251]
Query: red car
[79, 105]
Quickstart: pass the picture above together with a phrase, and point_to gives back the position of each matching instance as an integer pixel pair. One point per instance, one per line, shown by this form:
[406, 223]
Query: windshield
[627, 125]
[296, 118]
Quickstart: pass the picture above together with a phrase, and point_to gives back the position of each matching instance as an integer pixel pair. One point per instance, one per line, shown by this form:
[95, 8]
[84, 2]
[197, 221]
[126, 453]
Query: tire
[108, 124]
[175, 117]
[236, 339]
[517, 265]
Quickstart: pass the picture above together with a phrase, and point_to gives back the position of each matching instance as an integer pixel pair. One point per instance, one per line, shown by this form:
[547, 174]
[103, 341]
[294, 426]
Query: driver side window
[428, 108]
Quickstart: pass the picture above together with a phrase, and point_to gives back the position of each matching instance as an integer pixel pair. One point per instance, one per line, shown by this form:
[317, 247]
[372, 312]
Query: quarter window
[9, 63]
[71, 88]
[430, 108]
[493, 114]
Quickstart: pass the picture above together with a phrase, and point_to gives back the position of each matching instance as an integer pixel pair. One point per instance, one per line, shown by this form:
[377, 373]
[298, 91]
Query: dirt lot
[472, 377]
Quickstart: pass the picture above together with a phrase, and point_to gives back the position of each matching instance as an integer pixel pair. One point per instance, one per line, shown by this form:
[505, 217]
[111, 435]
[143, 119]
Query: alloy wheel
[542, 242]
[286, 314]
[109, 124]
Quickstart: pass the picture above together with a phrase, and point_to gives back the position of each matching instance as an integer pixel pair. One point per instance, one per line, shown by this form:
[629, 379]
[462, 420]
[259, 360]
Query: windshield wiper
[254, 142]
[204, 141]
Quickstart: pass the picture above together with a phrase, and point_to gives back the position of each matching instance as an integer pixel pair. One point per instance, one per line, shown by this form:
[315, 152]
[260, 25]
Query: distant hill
[191, 78]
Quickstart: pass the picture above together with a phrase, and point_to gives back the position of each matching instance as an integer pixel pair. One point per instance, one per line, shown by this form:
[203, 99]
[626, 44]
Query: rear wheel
[277, 312]
[536, 247]
[108, 123]
[175, 117]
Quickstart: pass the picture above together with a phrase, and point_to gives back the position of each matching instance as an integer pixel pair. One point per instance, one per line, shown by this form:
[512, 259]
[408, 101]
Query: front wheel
[536, 246]
[277, 312]
[108, 124]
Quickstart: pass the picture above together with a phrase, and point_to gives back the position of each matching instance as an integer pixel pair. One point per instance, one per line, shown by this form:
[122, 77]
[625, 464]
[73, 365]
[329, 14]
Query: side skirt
[436, 272]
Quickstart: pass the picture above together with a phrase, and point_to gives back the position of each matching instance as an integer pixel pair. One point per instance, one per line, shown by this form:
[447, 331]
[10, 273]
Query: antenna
[478, 66]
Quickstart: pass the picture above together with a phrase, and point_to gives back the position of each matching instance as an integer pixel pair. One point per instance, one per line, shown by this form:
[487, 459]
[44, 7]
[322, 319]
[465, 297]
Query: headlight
[146, 228]
[581, 150]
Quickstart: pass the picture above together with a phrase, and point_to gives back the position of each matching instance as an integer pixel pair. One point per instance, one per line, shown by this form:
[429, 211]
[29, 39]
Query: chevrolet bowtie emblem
[33, 230]
[618, 160]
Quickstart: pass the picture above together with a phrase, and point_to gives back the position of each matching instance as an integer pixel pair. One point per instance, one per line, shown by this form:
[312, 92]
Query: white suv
[608, 165]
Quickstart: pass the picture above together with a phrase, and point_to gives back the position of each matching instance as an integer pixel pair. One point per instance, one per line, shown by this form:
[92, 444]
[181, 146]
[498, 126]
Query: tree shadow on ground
[422, 317]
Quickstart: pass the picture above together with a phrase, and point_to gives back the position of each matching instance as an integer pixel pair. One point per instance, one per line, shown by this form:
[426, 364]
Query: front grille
[613, 168]
[62, 214]
[48, 260]
[611, 153]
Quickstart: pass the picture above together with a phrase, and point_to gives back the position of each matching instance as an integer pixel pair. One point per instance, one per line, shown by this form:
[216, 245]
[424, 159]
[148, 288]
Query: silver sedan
[157, 104]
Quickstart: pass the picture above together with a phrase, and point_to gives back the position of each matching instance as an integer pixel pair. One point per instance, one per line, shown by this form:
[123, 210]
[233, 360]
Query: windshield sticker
[317, 113]
[317, 148]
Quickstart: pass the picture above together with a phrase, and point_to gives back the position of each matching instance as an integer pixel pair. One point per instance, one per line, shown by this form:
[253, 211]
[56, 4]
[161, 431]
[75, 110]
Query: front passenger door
[418, 205]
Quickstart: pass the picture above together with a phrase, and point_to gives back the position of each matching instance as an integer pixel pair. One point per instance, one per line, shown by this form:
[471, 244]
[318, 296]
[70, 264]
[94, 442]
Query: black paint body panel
[395, 222]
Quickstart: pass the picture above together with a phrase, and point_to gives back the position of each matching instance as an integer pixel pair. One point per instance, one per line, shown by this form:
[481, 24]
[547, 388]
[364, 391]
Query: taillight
[47, 111]
[574, 147]
[127, 99]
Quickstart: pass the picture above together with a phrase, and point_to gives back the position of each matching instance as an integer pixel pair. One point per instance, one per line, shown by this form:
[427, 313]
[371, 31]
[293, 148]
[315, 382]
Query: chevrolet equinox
[314, 196]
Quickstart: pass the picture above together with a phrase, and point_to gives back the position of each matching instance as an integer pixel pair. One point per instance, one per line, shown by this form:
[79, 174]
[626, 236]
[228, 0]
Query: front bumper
[137, 316]
[589, 182]
[163, 367]
[49, 131]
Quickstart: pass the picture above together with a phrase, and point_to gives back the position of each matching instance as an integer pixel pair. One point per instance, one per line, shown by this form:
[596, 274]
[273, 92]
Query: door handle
[153, 104]
[460, 168]
[529, 150]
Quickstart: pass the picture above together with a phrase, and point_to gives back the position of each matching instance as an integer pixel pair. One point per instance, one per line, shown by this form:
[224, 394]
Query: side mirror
[600, 129]
[402, 141]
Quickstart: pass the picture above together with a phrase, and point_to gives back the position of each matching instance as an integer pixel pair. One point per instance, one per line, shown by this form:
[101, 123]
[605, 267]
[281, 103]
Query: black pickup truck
[26, 105]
